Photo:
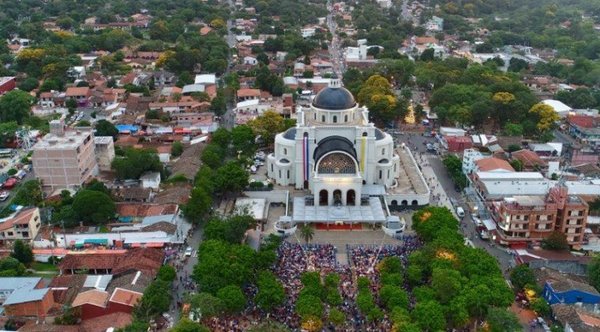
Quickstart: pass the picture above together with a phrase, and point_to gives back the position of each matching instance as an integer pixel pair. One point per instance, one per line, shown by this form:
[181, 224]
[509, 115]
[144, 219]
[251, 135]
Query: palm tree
[307, 233]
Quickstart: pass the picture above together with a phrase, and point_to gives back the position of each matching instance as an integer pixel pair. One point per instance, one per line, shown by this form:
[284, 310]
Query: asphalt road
[416, 142]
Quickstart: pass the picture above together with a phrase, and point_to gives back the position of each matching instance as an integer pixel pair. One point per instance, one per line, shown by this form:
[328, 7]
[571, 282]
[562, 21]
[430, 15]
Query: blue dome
[334, 99]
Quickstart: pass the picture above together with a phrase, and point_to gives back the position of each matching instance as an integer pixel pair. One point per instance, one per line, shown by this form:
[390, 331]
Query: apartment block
[64, 159]
[105, 152]
[523, 219]
[23, 225]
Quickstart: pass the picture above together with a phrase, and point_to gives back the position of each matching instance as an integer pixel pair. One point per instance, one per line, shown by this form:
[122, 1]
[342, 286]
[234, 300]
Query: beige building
[23, 225]
[64, 159]
[105, 152]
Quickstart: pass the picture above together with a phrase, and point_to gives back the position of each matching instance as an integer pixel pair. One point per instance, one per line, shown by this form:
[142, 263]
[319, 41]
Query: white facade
[334, 151]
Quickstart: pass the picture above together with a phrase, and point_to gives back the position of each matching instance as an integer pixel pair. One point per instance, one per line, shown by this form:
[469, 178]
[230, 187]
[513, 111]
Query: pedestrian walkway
[438, 196]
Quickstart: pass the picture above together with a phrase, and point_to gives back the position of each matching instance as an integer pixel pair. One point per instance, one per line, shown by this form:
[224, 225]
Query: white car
[4, 195]
[188, 252]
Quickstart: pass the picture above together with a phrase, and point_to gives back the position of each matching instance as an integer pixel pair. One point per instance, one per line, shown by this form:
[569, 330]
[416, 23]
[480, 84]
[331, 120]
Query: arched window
[285, 151]
[346, 118]
[336, 163]
[335, 119]
[323, 197]
[288, 174]
[322, 118]
[351, 197]
[380, 174]
[315, 116]
[383, 151]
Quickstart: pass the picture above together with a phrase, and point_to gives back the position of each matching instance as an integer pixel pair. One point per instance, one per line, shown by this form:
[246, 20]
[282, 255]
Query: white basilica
[347, 164]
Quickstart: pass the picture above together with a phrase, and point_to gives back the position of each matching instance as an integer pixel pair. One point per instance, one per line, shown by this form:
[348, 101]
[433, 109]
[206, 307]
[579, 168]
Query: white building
[150, 180]
[347, 164]
[559, 107]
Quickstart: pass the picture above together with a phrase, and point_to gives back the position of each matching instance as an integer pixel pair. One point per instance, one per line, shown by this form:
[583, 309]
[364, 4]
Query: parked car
[4, 195]
[188, 252]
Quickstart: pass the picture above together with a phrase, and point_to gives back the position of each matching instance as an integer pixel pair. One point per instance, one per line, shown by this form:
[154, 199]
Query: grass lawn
[45, 267]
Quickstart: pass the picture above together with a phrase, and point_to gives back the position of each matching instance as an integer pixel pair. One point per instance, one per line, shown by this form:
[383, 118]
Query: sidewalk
[434, 185]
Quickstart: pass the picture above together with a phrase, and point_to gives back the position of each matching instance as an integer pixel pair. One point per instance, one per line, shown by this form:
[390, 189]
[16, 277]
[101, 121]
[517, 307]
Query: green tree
[377, 94]
[431, 222]
[242, 139]
[93, 206]
[213, 156]
[546, 116]
[336, 317]
[198, 206]
[176, 149]
[594, 272]
[28, 84]
[231, 178]
[522, 275]
[446, 283]
[221, 264]
[267, 126]
[15, 106]
[231, 229]
[270, 291]
[105, 128]
[134, 162]
[166, 273]
[393, 296]
[556, 241]
[29, 194]
[307, 233]
[309, 306]
[22, 252]
[7, 132]
[209, 305]
[71, 106]
[503, 320]
[540, 306]
[428, 55]
[513, 129]
[429, 316]
[233, 298]
[11, 267]
[83, 123]
[186, 325]
[156, 300]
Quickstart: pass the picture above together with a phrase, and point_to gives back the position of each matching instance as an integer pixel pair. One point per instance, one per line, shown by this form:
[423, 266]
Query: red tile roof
[126, 297]
[21, 218]
[489, 164]
[115, 320]
[584, 121]
[528, 158]
[243, 93]
[145, 210]
[78, 91]
[147, 260]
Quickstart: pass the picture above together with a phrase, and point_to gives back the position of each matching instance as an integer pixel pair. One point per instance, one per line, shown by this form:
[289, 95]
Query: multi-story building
[571, 217]
[64, 159]
[23, 225]
[522, 219]
[105, 152]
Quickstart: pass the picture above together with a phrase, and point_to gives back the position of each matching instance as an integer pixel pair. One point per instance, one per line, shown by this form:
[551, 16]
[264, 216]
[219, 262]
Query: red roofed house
[248, 94]
[80, 94]
[458, 143]
[492, 164]
[530, 160]
[95, 303]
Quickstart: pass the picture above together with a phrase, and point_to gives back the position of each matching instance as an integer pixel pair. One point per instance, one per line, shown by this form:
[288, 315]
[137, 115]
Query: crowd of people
[295, 259]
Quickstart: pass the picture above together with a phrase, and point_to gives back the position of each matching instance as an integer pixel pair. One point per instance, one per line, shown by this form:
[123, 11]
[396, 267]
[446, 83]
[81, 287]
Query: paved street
[184, 272]
[441, 184]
